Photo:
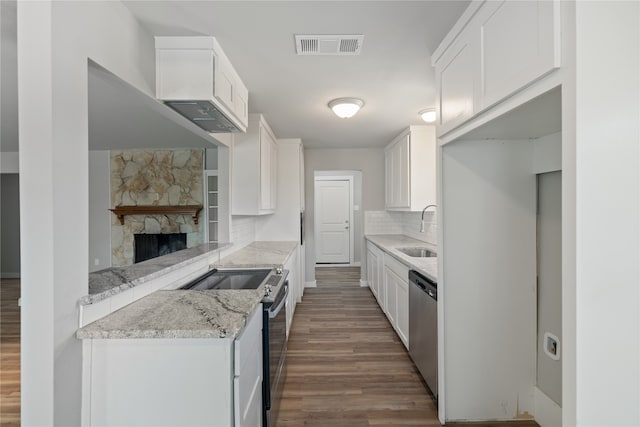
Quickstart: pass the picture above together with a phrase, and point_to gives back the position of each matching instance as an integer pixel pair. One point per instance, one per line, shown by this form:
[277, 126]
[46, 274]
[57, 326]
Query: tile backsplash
[407, 223]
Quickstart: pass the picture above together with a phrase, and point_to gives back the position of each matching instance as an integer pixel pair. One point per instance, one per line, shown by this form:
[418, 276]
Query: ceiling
[392, 75]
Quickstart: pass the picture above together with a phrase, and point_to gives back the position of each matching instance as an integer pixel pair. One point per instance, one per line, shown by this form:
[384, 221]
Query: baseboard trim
[311, 284]
[9, 275]
[547, 412]
[364, 283]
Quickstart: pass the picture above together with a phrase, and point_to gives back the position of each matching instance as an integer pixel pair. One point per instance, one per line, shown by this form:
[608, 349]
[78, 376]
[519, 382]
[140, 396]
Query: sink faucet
[422, 220]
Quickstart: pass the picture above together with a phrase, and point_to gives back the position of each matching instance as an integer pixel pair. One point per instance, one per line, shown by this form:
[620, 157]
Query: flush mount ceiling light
[428, 115]
[346, 107]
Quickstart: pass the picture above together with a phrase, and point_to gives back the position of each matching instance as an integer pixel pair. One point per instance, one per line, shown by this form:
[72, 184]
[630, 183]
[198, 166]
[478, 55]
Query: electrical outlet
[551, 346]
[96, 261]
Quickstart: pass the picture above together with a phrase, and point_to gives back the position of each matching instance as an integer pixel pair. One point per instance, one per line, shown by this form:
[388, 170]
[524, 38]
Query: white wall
[99, 214]
[608, 213]
[370, 161]
[53, 126]
[9, 225]
[487, 301]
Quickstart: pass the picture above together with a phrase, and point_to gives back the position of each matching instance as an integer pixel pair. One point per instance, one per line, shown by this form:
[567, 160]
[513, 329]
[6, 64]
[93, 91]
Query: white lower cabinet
[391, 309]
[374, 262]
[215, 382]
[389, 282]
[294, 279]
[402, 298]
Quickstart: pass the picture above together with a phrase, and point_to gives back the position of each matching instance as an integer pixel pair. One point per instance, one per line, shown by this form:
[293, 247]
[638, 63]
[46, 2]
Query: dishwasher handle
[425, 284]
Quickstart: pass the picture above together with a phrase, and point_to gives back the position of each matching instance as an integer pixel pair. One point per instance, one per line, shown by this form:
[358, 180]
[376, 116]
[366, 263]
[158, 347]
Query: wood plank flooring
[9, 353]
[338, 274]
[347, 367]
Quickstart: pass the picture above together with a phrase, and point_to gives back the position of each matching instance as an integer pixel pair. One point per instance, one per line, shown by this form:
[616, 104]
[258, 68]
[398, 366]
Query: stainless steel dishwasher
[423, 327]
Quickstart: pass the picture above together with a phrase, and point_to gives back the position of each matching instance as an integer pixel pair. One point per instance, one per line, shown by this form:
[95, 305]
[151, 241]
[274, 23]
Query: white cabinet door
[391, 306]
[397, 173]
[397, 281]
[224, 81]
[255, 170]
[388, 178]
[410, 169]
[247, 384]
[265, 169]
[294, 287]
[372, 270]
[457, 84]
[268, 170]
[402, 325]
[241, 101]
[402, 182]
[382, 290]
[273, 178]
[520, 42]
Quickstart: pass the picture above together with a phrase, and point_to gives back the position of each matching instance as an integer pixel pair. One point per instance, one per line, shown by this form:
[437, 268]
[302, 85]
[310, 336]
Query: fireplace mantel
[121, 211]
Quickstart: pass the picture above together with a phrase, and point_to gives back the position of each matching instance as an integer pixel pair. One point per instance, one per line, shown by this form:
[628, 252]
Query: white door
[333, 227]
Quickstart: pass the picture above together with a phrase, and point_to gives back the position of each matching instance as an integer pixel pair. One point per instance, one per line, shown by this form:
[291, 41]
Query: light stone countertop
[179, 314]
[111, 281]
[193, 314]
[390, 244]
[259, 254]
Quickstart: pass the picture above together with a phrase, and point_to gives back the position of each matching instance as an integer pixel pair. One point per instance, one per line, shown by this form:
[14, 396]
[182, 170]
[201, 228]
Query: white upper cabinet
[254, 179]
[410, 169]
[197, 69]
[520, 41]
[496, 49]
[457, 83]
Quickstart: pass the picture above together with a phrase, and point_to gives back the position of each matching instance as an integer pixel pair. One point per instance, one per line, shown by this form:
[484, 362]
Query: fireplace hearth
[147, 246]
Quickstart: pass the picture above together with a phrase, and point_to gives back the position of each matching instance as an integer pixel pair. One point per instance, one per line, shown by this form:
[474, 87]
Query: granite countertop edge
[202, 251]
[179, 314]
[175, 314]
[390, 243]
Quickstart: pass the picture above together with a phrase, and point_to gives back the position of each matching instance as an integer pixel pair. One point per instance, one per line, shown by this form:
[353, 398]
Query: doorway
[549, 266]
[334, 225]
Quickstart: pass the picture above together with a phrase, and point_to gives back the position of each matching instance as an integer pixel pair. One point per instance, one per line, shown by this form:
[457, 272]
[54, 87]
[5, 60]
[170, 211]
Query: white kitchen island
[178, 357]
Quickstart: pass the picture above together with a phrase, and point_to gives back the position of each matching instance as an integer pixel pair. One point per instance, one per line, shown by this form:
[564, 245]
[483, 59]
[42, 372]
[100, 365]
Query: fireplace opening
[149, 246]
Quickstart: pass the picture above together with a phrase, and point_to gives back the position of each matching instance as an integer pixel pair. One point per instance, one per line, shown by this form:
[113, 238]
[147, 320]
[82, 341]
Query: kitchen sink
[418, 252]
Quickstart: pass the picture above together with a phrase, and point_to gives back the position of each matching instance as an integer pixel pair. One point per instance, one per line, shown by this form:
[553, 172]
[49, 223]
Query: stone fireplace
[154, 178]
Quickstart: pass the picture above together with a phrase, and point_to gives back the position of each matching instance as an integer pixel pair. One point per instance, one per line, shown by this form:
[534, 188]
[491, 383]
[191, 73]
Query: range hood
[195, 78]
[204, 114]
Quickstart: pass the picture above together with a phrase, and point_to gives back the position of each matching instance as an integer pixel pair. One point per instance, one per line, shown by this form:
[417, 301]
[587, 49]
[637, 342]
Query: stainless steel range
[274, 330]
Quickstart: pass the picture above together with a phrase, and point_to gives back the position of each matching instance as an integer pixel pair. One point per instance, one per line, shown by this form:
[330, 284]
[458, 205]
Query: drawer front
[397, 267]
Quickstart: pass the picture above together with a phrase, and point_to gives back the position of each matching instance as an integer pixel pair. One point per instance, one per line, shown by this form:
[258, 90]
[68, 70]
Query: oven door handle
[274, 312]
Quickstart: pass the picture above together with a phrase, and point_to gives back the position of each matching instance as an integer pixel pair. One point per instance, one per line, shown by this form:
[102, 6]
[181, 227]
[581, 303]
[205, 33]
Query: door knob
[346, 228]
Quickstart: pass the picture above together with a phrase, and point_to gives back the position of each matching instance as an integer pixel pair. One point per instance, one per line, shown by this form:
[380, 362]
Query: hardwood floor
[338, 274]
[9, 353]
[347, 367]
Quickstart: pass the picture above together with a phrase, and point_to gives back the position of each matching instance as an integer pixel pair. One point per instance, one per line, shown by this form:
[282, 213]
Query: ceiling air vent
[329, 44]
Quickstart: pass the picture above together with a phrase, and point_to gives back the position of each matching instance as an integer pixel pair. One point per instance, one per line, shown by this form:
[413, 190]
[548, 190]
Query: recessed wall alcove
[154, 192]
